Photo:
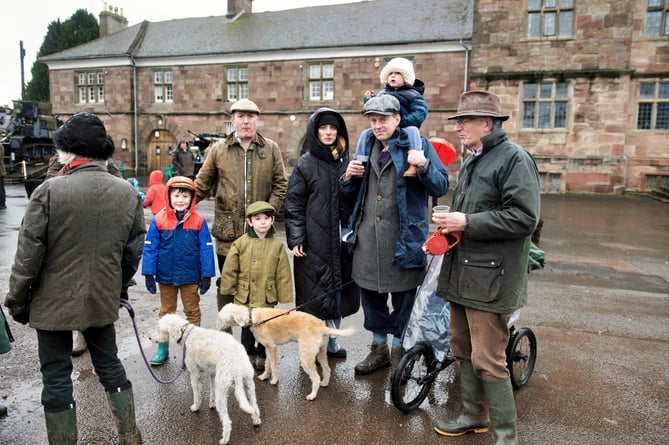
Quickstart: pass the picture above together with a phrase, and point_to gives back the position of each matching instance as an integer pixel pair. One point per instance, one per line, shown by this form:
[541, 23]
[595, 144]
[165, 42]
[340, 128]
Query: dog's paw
[311, 396]
[274, 381]
[195, 407]
[262, 377]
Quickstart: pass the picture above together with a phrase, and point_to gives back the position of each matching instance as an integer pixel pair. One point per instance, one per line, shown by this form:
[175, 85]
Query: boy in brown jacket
[256, 272]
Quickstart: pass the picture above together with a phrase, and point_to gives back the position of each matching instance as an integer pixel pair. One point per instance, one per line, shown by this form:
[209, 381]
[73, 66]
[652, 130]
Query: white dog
[218, 355]
[309, 332]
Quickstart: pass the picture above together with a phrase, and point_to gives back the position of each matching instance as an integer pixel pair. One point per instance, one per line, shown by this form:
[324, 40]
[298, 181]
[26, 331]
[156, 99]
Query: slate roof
[367, 23]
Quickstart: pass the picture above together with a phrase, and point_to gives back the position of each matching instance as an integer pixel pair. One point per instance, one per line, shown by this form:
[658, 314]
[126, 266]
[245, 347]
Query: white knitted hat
[399, 65]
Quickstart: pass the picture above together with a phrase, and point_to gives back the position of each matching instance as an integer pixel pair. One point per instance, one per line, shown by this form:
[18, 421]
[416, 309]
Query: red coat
[155, 195]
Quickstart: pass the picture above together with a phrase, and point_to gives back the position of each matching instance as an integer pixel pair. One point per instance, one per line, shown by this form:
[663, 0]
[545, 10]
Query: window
[238, 83]
[91, 87]
[656, 18]
[653, 109]
[550, 18]
[321, 81]
[162, 86]
[545, 105]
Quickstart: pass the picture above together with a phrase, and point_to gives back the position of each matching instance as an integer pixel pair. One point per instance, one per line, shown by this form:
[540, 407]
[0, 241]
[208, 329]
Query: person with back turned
[78, 248]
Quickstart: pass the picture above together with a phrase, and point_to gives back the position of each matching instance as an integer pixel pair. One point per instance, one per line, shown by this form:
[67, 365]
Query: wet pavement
[600, 312]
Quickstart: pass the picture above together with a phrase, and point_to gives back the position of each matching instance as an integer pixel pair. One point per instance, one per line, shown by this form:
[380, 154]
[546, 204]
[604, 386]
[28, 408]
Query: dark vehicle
[200, 143]
[28, 142]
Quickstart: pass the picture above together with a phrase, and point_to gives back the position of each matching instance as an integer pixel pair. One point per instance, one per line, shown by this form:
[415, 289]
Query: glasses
[464, 120]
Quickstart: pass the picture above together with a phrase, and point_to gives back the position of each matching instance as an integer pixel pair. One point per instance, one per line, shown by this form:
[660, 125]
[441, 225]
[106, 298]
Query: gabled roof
[368, 23]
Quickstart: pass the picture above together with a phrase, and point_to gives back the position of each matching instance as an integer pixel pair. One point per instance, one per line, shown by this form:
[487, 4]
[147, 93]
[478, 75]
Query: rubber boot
[473, 417]
[161, 354]
[61, 426]
[122, 406]
[79, 345]
[502, 411]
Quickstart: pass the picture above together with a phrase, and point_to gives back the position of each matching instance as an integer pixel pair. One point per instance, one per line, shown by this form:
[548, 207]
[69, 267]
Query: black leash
[126, 304]
[258, 323]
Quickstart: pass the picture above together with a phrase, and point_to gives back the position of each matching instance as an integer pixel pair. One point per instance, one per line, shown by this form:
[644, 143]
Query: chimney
[236, 7]
[111, 21]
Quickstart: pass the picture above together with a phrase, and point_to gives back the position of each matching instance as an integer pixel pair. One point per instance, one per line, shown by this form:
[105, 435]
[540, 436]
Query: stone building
[586, 82]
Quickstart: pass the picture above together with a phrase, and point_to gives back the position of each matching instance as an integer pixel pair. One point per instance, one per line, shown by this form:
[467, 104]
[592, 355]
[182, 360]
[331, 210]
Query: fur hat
[245, 105]
[479, 103]
[399, 65]
[84, 135]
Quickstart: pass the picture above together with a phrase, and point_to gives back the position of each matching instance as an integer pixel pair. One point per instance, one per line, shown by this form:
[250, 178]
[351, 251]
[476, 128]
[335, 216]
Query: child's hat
[181, 182]
[260, 207]
[399, 65]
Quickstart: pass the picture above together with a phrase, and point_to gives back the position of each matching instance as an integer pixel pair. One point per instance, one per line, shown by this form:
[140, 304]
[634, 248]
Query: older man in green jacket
[496, 206]
[79, 246]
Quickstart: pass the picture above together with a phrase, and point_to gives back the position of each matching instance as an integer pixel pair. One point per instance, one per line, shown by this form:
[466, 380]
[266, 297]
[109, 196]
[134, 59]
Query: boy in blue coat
[179, 255]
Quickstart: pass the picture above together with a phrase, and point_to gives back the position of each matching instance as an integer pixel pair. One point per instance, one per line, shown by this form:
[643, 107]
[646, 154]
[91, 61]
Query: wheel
[520, 356]
[412, 379]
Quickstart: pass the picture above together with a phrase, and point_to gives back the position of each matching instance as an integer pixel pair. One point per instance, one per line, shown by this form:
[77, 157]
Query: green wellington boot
[473, 418]
[61, 426]
[502, 411]
[122, 406]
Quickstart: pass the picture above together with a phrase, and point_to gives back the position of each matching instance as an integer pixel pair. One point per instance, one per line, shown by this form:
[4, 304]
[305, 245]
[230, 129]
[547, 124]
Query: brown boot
[378, 358]
[411, 172]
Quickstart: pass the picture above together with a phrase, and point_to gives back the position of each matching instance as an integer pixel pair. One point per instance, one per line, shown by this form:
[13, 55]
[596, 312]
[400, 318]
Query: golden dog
[309, 332]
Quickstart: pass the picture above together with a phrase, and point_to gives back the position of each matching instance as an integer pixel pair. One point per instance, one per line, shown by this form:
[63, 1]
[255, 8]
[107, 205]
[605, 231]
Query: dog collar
[250, 322]
[183, 331]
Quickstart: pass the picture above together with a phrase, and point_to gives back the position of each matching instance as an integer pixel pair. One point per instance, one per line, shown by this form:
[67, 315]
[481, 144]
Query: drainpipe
[467, 50]
[465, 88]
[134, 111]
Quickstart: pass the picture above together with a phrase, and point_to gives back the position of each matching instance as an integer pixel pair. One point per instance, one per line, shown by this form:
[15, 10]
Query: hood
[181, 182]
[156, 177]
[315, 147]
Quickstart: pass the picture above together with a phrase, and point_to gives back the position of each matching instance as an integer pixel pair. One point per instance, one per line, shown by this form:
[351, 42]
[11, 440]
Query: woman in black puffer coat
[314, 212]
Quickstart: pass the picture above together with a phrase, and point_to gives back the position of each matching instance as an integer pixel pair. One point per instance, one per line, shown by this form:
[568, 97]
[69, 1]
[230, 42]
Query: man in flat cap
[79, 246]
[390, 225]
[495, 209]
[246, 167]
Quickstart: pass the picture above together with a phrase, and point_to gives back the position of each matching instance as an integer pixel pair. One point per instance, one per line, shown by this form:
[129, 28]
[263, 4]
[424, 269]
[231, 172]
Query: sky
[28, 21]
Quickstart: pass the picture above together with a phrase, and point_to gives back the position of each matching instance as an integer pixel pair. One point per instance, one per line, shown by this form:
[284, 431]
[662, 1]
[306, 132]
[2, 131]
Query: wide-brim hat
[479, 103]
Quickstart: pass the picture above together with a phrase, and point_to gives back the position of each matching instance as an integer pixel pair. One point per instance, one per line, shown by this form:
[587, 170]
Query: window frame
[237, 82]
[538, 15]
[661, 8]
[659, 99]
[163, 91]
[321, 86]
[90, 86]
[542, 104]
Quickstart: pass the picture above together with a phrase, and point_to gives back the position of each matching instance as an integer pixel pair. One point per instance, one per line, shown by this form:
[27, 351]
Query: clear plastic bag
[430, 315]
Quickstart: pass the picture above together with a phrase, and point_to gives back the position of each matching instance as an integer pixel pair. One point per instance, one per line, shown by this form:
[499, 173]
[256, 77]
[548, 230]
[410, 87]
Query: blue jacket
[178, 251]
[412, 198]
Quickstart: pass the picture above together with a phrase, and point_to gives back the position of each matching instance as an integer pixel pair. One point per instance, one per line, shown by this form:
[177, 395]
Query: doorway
[159, 149]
